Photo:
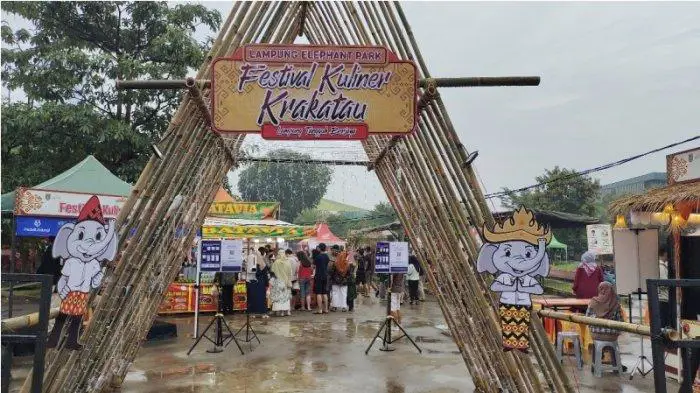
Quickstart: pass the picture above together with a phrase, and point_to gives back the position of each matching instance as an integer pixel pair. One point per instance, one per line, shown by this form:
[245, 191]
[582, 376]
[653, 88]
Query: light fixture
[620, 222]
[694, 219]
[660, 218]
[157, 152]
[268, 240]
[470, 158]
[280, 240]
[668, 209]
[256, 241]
[677, 221]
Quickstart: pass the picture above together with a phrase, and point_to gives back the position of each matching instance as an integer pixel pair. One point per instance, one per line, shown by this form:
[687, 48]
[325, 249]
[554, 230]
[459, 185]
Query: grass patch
[566, 266]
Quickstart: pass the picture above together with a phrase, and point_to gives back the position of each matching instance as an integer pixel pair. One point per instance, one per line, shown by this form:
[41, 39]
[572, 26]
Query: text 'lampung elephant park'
[358, 76]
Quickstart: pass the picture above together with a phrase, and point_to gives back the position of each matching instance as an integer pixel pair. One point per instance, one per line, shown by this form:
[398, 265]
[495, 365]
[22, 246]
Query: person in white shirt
[663, 291]
[294, 262]
[413, 277]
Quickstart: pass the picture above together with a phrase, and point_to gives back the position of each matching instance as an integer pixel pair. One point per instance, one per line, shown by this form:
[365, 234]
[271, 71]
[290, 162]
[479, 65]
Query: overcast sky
[617, 79]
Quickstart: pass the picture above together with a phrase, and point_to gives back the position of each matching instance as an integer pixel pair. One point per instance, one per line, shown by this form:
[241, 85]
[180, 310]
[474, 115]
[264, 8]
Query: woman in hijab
[256, 282]
[339, 282]
[604, 305]
[281, 290]
[588, 276]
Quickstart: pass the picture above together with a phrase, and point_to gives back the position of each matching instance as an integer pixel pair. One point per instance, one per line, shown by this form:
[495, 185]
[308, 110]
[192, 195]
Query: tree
[565, 191]
[559, 190]
[72, 59]
[297, 186]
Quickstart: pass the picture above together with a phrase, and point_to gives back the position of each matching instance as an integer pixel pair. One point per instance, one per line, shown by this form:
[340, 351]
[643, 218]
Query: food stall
[675, 209]
[254, 223]
[324, 235]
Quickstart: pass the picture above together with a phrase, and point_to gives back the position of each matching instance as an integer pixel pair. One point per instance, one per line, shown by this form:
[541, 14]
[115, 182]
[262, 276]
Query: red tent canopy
[324, 235]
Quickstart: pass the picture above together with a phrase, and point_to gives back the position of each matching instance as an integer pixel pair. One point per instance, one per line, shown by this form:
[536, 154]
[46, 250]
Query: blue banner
[381, 258]
[211, 256]
[27, 226]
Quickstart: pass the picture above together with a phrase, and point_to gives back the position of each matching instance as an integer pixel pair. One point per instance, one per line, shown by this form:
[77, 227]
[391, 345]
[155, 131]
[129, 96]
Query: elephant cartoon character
[515, 252]
[82, 246]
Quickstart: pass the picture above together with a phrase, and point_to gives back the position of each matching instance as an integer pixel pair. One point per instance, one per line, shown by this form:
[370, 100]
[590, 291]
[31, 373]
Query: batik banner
[300, 92]
[50, 203]
[244, 210]
[249, 231]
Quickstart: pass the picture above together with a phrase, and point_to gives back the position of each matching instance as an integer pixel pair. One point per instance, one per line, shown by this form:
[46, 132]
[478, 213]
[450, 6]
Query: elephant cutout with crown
[515, 253]
[82, 246]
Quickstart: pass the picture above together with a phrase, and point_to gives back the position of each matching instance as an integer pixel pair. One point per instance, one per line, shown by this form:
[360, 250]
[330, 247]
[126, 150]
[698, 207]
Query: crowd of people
[279, 282]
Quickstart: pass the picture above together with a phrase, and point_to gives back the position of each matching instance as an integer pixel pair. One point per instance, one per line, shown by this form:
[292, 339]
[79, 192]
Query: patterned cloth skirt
[74, 304]
[515, 326]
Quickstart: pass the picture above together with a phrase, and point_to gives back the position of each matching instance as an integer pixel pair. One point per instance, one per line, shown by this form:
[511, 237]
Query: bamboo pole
[642, 330]
[24, 321]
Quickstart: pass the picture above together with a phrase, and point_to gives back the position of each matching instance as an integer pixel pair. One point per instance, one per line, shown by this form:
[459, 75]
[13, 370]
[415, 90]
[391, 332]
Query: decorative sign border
[314, 58]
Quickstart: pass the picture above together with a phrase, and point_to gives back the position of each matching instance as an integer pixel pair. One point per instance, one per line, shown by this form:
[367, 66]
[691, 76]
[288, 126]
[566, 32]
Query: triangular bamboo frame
[436, 195]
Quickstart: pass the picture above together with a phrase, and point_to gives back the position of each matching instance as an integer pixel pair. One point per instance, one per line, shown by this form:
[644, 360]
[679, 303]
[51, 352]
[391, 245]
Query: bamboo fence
[436, 196]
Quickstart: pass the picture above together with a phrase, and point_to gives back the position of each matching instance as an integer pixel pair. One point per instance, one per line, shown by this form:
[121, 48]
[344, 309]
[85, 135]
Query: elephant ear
[60, 244]
[110, 252]
[485, 261]
[543, 269]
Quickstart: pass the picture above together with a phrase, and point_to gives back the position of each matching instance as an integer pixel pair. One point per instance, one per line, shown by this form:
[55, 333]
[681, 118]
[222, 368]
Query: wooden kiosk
[675, 209]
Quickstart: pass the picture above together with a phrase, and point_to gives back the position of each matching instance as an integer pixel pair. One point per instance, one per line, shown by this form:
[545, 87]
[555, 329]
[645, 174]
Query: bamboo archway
[427, 177]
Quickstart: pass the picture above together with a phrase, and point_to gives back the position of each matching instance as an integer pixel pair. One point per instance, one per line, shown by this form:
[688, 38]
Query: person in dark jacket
[50, 265]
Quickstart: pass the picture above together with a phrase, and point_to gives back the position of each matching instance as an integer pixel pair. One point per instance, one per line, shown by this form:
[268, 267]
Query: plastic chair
[562, 337]
[598, 366]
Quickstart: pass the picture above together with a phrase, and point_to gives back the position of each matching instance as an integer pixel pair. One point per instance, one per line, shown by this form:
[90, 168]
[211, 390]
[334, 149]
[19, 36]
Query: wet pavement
[325, 353]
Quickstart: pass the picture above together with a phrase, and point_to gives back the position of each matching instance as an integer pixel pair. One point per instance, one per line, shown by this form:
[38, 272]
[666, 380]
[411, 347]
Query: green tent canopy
[557, 245]
[88, 176]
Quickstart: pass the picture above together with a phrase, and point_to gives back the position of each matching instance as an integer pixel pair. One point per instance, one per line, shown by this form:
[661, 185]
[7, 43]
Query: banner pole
[196, 289]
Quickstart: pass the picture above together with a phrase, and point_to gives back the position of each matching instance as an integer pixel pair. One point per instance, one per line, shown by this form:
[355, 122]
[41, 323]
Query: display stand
[642, 360]
[385, 331]
[248, 330]
[220, 341]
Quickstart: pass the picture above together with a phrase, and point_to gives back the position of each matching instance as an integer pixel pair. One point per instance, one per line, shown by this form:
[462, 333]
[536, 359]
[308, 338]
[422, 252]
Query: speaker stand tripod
[248, 331]
[642, 360]
[220, 341]
[385, 332]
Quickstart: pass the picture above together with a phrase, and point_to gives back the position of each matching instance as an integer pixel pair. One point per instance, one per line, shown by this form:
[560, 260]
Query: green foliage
[573, 194]
[340, 225]
[67, 66]
[296, 186]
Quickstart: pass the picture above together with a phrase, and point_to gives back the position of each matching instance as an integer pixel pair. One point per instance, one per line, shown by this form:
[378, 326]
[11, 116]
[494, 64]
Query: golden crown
[521, 226]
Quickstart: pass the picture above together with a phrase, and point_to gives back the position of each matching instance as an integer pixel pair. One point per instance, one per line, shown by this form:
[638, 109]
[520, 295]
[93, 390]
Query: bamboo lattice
[436, 197]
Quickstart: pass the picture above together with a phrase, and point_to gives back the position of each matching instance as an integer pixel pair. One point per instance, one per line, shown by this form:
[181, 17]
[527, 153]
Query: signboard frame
[295, 129]
[675, 164]
[602, 244]
[386, 259]
[111, 204]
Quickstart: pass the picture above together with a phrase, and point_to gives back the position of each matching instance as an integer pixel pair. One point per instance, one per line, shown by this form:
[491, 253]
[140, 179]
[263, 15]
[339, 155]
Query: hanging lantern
[694, 219]
[620, 222]
[668, 209]
[678, 222]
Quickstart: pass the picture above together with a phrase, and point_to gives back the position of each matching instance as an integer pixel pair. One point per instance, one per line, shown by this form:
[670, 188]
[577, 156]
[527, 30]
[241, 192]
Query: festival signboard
[308, 92]
[291, 232]
[244, 210]
[51, 203]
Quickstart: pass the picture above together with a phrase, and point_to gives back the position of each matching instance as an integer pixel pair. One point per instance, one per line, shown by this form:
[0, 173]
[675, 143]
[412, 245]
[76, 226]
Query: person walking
[256, 282]
[352, 281]
[397, 282]
[281, 290]
[306, 271]
[587, 277]
[321, 262]
[413, 277]
[360, 271]
[294, 263]
[339, 282]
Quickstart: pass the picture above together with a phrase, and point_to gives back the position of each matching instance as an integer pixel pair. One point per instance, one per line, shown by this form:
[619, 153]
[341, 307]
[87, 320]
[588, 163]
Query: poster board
[600, 239]
[636, 255]
[391, 257]
[221, 255]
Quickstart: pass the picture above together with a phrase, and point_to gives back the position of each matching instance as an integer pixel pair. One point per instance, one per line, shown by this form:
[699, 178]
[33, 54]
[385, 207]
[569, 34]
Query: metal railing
[658, 338]
[38, 339]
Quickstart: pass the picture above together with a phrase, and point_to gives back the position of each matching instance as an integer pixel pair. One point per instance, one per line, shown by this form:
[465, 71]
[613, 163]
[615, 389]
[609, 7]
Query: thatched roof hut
[677, 195]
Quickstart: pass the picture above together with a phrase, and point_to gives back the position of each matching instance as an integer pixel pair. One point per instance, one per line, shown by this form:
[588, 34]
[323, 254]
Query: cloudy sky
[617, 79]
